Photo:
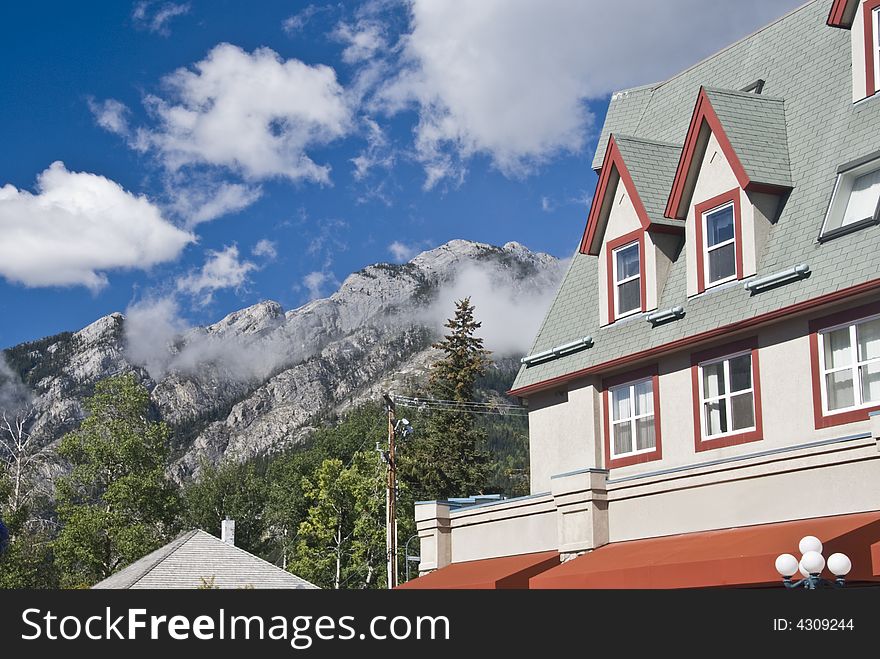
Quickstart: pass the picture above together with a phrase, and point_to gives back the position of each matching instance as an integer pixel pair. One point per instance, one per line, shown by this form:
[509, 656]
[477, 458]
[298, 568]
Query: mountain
[254, 382]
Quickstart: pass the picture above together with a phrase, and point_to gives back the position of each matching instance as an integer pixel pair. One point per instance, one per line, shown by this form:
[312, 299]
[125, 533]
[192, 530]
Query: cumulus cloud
[317, 282]
[155, 16]
[197, 199]
[254, 114]
[510, 79]
[222, 269]
[266, 249]
[77, 227]
[362, 39]
[511, 309]
[111, 115]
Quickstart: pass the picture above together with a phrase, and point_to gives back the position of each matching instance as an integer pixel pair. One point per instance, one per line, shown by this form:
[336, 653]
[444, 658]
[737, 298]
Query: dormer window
[627, 280]
[720, 245]
[855, 203]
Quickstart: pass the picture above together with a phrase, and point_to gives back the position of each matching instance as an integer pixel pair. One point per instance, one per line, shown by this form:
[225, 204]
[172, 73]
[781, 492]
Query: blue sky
[221, 153]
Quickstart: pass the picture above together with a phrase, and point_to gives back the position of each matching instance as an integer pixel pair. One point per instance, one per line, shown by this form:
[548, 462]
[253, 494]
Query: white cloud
[377, 153]
[547, 204]
[222, 269]
[197, 200]
[509, 79]
[511, 309]
[155, 17]
[316, 282]
[77, 227]
[402, 252]
[254, 114]
[151, 328]
[297, 22]
[111, 115]
[362, 40]
[265, 249]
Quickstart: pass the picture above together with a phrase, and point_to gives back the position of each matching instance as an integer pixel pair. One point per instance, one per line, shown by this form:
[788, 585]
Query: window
[632, 419]
[719, 257]
[855, 202]
[627, 280]
[727, 395]
[850, 365]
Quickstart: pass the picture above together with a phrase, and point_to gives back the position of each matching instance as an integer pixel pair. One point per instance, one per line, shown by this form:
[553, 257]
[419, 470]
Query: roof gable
[195, 557]
[646, 168]
[752, 133]
[842, 13]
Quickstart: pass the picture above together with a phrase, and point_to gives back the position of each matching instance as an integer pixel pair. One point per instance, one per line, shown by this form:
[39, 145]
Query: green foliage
[341, 542]
[33, 362]
[28, 561]
[116, 504]
[448, 458]
[234, 490]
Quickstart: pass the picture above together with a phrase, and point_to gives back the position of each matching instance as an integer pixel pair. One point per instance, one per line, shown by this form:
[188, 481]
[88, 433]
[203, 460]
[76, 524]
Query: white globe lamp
[786, 565]
[812, 562]
[839, 564]
[810, 543]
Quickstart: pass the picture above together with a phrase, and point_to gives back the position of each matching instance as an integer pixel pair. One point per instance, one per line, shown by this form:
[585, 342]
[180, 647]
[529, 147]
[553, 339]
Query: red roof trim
[615, 160]
[837, 15]
[724, 330]
[703, 112]
[487, 574]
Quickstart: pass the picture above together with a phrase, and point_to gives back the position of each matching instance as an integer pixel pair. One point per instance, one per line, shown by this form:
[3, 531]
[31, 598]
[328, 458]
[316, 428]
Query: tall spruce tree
[116, 505]
[449, 459]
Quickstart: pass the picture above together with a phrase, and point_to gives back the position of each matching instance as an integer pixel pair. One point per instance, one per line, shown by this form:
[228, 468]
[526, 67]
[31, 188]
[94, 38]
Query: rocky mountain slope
[253, 382]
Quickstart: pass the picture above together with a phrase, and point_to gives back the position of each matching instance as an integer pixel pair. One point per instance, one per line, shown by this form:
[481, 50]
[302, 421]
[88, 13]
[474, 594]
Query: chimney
[227, 531]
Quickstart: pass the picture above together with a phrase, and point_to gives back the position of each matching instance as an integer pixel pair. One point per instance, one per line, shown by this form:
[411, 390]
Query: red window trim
[634, 236]
[821, 419]
[719, 352]
[617, 380]
[837, 17]
[868, 9]
[708, 205]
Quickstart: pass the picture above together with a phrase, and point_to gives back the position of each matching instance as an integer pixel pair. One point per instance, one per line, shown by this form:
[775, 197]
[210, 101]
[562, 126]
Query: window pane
[863, 198]
[644, 397]
[627, 262]
[839, 388]
[713, 380]
[836, 346]
[868, 336]
[719, 226]
[716, 418]
[742, 409]
[629, 296]
[870, 377]
[621, 403]
[722, 262]
[645, 433]
[741, 373]
[622, 438]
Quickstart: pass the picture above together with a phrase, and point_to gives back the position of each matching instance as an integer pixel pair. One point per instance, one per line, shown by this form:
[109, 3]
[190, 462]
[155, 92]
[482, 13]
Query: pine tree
[448, 459]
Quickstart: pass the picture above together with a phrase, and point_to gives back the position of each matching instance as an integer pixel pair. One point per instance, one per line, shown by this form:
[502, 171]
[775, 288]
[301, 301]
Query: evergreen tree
[448, 458]
[116, 504]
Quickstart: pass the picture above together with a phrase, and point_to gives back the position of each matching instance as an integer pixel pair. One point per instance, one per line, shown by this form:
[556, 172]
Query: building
[705, 388]
[196, 559]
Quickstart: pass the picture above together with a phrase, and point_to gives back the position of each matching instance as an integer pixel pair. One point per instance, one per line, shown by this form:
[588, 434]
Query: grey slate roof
[755, 126]
[651, 165]
[196, 557]
[804, 62]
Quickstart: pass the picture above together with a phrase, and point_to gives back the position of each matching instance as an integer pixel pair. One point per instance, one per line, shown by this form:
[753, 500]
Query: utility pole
[391, 497]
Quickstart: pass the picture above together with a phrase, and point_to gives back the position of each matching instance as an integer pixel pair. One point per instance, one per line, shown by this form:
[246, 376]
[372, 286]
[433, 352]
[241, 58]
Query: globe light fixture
[811, 564]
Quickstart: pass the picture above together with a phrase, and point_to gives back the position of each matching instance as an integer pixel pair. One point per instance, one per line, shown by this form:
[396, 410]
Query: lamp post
[811, 565]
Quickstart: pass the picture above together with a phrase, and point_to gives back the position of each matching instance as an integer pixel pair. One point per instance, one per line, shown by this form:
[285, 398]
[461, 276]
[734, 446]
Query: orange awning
[489, 573]
[742, 556]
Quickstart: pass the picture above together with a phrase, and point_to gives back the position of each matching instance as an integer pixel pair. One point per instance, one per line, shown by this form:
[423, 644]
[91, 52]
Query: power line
[500, 409]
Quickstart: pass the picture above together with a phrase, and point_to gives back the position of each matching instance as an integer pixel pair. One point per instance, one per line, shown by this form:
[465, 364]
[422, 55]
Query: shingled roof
[824, 129]
[652, 166]
[197, 559]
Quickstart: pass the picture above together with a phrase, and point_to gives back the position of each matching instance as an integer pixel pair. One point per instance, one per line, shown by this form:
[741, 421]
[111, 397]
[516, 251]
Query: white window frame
[875, 20]
[727, 396]
[617, 283]
[632, 418]
[840, 197]
[853, 367]
[706, 249]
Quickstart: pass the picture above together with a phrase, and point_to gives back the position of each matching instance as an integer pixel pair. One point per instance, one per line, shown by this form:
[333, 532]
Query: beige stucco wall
[563, 427]
[858, 54]
[622, 219]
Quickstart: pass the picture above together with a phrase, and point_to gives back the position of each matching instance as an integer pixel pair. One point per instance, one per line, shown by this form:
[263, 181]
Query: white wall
[858, 54]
